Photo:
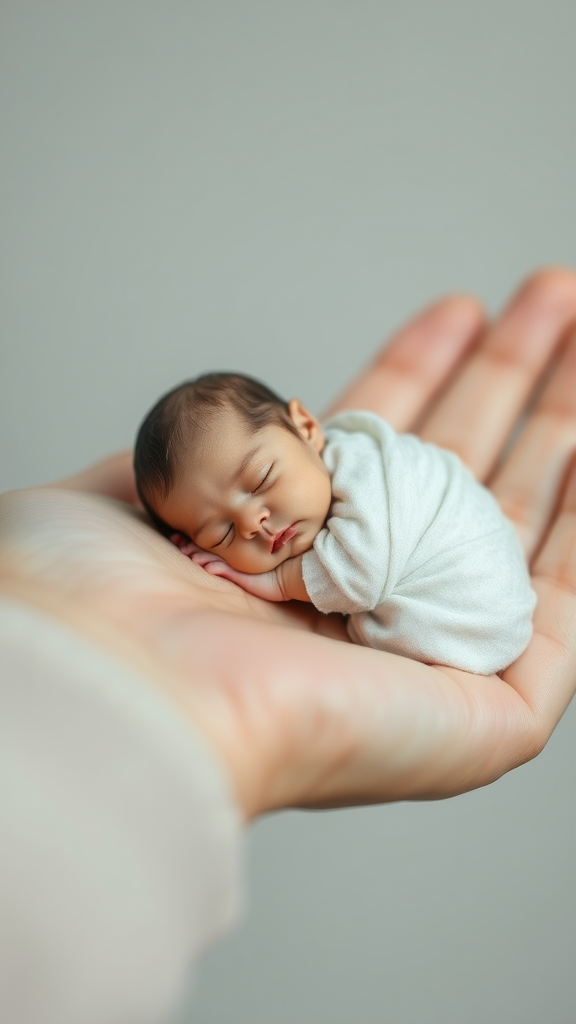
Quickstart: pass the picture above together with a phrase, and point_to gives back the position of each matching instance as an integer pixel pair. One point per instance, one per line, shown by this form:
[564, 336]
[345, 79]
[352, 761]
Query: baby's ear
[306, 424]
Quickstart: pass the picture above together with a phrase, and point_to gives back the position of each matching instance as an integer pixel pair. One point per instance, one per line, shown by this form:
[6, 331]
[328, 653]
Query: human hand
[260, 584]
[300, 718]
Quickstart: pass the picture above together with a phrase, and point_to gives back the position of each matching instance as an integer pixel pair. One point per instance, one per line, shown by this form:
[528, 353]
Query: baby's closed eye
[263, 479]
[225, 537]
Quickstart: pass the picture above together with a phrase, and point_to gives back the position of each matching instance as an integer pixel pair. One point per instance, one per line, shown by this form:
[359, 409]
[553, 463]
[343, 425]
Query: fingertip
[447, 327]
[214, 568]
[554, 286]
[459, 308]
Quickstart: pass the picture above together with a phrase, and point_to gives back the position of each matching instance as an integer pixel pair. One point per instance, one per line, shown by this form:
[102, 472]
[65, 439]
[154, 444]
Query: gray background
[273, 187]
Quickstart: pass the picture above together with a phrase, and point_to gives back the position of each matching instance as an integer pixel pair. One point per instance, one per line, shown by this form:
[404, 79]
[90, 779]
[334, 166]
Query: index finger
[416, 363]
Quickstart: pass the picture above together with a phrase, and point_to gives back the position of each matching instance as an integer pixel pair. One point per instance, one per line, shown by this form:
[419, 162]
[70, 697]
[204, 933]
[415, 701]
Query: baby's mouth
[282, 538]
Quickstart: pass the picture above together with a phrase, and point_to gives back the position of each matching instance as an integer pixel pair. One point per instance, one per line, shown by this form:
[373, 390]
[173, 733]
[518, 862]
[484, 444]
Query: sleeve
[121, 844]
[347, 568]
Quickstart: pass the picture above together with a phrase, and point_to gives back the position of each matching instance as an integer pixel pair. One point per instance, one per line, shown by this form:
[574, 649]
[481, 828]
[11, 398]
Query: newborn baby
[394, 533]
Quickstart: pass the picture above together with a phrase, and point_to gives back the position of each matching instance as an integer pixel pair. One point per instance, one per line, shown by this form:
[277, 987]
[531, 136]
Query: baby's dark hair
[172, 424]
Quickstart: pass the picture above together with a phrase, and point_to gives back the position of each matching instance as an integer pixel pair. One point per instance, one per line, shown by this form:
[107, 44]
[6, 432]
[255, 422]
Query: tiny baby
[394, 533]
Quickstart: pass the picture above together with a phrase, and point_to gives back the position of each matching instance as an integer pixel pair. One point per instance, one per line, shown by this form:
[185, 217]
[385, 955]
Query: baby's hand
[263, 584]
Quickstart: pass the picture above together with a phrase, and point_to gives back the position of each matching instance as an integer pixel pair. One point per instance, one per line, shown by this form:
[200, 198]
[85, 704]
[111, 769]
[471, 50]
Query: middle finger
[476, 414]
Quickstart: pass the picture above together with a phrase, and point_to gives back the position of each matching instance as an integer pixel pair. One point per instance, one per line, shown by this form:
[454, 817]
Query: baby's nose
[252, 519]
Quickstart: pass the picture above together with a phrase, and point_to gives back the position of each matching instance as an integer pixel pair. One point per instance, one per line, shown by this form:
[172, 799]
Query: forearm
[168, 832]
[284, 583]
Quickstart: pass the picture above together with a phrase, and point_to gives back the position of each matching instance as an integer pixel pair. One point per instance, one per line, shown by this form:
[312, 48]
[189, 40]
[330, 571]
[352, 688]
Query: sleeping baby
[395, 534]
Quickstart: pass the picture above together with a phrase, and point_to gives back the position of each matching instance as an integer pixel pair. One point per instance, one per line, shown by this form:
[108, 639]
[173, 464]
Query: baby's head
[227, 462]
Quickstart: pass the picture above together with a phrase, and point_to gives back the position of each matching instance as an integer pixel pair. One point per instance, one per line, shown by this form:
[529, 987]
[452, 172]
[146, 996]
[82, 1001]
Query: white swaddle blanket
[416, 552]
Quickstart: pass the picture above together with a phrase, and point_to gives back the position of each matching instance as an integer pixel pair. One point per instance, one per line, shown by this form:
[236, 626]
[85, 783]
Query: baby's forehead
[226, 442]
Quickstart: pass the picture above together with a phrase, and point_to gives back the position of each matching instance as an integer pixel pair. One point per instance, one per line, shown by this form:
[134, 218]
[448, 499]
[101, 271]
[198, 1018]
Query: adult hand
[298, 716]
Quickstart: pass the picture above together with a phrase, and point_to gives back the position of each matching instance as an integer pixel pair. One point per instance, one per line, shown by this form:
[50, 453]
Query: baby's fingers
[205, 558]
[183, 543]
[216, 568]
[186, 546]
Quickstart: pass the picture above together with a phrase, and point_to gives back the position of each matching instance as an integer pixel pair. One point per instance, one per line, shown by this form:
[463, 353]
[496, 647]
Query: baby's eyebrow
[246, 462]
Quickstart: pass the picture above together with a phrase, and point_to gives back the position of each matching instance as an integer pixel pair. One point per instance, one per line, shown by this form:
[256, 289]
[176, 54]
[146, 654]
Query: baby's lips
[283, 537]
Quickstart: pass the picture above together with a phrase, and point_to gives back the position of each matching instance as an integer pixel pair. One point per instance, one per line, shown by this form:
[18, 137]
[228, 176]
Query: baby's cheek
[256, 561]
[247, 561]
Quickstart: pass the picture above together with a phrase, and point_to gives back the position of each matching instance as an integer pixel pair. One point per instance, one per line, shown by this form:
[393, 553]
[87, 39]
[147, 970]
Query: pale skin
[284, 583]
[254, 501]
[295, 715]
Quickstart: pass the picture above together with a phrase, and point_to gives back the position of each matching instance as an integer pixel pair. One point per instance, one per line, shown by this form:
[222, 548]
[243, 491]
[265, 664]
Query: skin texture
[236, 492]
[297, 716]
[284, 583]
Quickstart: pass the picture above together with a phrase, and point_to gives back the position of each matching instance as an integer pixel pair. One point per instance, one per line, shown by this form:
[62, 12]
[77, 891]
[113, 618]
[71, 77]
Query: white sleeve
[347, 567]
[121, 844]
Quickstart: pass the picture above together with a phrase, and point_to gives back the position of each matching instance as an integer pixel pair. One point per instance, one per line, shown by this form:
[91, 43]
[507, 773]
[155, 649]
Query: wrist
[290, 581]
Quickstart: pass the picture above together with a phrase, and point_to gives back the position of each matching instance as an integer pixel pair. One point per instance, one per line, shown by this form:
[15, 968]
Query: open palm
[299, 716]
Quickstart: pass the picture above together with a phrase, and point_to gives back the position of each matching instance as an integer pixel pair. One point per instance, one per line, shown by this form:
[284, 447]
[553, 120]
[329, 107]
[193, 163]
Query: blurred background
[274, 187]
